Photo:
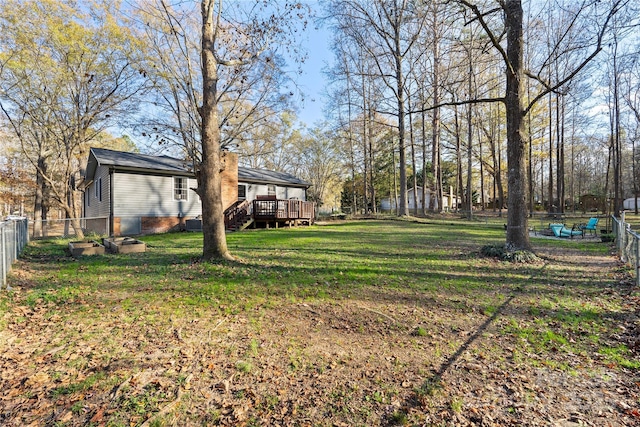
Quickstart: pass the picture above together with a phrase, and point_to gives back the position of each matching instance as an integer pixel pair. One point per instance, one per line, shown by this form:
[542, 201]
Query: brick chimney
[229, 179]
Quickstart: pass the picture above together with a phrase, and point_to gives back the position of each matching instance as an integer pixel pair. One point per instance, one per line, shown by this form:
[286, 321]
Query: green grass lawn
[284, 265]
[118, 339]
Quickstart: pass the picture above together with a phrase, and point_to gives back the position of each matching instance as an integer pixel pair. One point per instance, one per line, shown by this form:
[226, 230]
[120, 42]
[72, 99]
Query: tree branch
[457, 103]
[598, 48]
[494, 40]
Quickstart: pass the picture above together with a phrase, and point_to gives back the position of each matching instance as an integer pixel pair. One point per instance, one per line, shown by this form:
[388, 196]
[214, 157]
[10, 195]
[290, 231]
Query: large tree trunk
[517, 220]
[71, 215]
[209, 178]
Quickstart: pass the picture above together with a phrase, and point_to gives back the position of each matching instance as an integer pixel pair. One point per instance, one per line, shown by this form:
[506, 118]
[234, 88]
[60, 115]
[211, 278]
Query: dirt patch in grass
[552, 344]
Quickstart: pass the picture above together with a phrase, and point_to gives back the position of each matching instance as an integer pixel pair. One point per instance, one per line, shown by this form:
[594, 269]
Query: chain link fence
[14, 236]
[627, 244]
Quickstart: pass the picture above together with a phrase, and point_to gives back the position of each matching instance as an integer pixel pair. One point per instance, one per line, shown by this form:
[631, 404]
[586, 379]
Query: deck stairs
[238, 216]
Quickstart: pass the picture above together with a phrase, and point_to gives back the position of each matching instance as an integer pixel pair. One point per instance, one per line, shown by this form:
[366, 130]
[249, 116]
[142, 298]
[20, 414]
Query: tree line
[518, 105]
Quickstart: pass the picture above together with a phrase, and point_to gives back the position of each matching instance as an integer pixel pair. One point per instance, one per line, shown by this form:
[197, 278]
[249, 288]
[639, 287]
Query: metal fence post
[637, 241]
[14, 255]
[4, 257]
[619, 233]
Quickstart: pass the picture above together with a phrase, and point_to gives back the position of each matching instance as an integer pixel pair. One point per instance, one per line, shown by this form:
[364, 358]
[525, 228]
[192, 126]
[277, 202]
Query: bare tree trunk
[354, 203]
[560, 153]
[608, 173]
[425, 181]
[413, 161]
[436, 170]
[573, 158]
[617, 165]
[400, 102]
[365, 158]
[469, 162]
[530, 161]
[459, 179]
[404, 206]
[395, 181]
[482, 198]
[499, 180]
[541, 185]
[435, 202]
[209, 178]
[39, 211]
[634, 168]
[470, 130]
[517, 219]
[374, 208]
[550, 181]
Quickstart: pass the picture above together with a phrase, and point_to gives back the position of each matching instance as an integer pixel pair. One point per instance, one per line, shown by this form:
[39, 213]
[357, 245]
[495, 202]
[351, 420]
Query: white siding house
[257, 182]
[141, 194]
[449, 201]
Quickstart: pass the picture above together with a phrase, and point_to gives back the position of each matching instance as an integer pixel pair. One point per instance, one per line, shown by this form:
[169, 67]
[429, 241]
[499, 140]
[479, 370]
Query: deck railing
[237, 214]
[283, 210]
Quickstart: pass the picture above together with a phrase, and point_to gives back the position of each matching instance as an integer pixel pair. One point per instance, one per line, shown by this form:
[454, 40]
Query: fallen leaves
[349, 362]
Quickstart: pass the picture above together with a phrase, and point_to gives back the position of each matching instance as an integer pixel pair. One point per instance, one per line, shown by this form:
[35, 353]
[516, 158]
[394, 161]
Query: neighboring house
[630, 204]
[141, 194]
[449, 201]
[592, 203]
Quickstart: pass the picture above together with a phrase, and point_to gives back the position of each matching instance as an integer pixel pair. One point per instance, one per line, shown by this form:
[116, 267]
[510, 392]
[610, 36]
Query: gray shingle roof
[166, 164]
[269, 177]
[124, 159]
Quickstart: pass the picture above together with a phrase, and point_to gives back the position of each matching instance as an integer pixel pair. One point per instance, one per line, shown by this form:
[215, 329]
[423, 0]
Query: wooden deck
[268, 213]
[283, 212]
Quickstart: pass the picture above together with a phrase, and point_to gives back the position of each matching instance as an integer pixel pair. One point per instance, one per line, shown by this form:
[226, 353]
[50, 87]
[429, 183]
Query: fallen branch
[117, 391]
[216, 327]
[165, 410]
[381, 314]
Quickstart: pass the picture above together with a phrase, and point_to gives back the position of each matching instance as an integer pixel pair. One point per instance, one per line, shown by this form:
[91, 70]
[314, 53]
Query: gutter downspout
[111, 189]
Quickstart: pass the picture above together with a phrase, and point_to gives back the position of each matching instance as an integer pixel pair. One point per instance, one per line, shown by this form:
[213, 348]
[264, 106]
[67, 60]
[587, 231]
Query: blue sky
[312, 81]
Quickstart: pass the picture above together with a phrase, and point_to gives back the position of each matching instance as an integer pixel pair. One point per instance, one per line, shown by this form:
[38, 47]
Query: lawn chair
[559, 230]
[591, 226]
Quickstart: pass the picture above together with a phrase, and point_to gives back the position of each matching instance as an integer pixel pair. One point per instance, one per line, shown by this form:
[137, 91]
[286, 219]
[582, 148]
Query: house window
[99, 189]
[180, 188]
[271, 190]
[242, 192]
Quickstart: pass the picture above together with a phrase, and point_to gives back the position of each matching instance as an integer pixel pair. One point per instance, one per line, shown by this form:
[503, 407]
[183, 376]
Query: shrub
[498, 251]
